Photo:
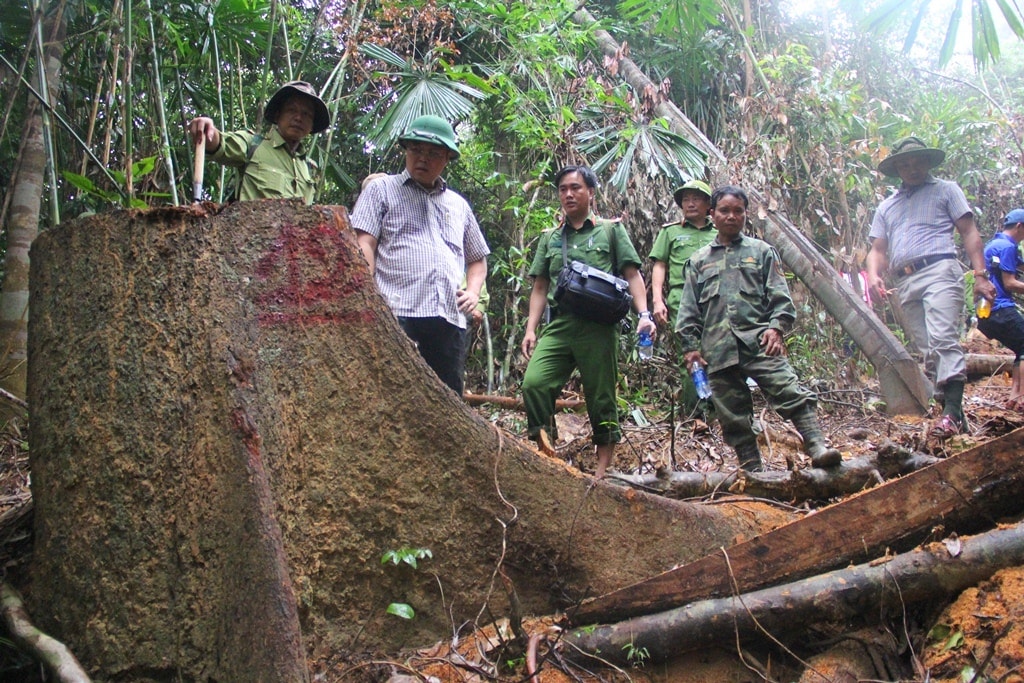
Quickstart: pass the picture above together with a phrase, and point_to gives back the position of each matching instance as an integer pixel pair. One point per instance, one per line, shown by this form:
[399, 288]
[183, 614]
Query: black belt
[912, 267]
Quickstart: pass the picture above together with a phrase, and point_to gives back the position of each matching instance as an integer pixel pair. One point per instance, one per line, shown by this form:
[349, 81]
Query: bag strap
[254, 142]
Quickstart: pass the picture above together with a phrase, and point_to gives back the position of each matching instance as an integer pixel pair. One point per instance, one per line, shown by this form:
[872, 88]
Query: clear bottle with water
[700, 380]
[644, 346]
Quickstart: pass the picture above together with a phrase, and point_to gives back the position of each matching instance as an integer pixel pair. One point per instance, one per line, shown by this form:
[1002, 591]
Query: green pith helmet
[694, 184]
[321, 117]
[433, 130]
[908, 147]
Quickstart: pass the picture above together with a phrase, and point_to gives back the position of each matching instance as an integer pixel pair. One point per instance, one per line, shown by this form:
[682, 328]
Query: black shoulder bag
[589, 293]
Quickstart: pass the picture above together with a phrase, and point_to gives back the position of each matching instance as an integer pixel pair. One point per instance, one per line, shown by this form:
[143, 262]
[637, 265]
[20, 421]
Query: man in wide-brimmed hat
[912, 244]
[275, 165]
[422, 241]
[673, 246]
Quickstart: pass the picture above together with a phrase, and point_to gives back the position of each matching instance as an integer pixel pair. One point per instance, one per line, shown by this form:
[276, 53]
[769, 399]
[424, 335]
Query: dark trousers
[1005, 325]
[440, 344]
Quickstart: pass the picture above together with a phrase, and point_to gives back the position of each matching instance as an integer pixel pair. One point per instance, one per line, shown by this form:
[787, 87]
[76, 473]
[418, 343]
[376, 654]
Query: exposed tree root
[50, 652]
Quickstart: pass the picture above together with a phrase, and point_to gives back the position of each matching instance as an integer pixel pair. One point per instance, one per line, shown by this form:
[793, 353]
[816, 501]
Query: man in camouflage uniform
[732, 317]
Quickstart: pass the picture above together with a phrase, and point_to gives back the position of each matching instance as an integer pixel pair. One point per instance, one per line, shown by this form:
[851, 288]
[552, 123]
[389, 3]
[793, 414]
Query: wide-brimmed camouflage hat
[908, 147]
[321, 117]
[694, 184]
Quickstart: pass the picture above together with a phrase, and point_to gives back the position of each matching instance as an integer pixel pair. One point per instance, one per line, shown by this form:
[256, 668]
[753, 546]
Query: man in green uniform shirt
[672, 249]
[569, 342]
[273, 166]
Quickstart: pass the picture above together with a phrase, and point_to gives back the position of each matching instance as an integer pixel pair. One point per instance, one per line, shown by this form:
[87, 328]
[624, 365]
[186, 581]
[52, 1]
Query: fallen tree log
[901, 380]
[988, 364]
[967, 489]
[811, 483]
[516, 402]
[935, 572]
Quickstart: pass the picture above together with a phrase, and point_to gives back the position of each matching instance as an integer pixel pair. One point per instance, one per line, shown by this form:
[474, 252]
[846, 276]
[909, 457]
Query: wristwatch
[646, 314]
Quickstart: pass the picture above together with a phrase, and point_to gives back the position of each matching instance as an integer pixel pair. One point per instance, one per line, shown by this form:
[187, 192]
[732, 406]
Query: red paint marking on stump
[311, 281]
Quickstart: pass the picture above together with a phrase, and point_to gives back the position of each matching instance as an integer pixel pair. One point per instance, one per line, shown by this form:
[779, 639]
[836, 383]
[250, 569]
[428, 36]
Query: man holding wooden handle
[271, 166]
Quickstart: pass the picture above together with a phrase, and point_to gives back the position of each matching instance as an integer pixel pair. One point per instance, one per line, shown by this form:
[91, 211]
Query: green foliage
[409, 557]
[140, 169]
[401, 609]
[636, 656]
[406, 555]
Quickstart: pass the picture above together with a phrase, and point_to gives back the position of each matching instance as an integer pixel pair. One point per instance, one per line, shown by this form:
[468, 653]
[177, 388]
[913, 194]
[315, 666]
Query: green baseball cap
[694, 184]
[433, 130]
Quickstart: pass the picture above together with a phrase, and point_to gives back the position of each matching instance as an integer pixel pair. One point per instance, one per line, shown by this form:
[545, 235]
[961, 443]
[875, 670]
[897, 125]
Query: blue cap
[1014, 217]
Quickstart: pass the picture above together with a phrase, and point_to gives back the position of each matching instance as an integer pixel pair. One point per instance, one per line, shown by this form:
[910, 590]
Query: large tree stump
[228, 430]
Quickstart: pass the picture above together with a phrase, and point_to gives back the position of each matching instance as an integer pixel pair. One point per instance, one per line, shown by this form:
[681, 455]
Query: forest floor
[980, 636]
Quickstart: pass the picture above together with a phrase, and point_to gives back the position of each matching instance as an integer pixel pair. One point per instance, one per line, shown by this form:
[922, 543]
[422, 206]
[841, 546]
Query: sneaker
[946, 427]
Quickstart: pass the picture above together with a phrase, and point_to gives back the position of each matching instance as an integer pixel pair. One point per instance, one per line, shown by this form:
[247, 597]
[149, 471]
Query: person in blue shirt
[1005, 323]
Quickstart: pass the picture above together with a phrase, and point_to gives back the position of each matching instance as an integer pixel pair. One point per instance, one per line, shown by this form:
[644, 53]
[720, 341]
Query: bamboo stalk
[160, 112]
[127, 113]
[267, 57]
[111, 45]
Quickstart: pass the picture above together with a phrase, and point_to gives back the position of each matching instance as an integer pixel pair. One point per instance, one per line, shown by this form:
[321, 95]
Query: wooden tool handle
[197, 171]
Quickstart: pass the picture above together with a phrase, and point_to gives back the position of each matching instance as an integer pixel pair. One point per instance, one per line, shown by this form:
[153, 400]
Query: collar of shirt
[277, 141]
[715, 244]
[589, 222]
[708, 225]
[909, 190]
[1004, 236]
[439, 185]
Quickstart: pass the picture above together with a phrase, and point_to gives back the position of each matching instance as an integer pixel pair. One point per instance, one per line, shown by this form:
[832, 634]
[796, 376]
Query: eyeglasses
[429, 152]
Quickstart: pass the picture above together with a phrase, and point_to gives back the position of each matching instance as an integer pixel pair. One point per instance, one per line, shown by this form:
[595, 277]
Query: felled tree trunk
[987, 364]
[812, 483]
[901, 381]
[878, 588]
[229, 429]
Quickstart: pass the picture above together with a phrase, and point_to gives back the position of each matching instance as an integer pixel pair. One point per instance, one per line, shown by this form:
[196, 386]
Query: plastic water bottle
[984, 308]
[700, 380]
[644, 346]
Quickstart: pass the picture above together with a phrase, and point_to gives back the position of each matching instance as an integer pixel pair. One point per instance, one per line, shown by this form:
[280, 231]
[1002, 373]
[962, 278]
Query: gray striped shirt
[425, 238]
[919, 221]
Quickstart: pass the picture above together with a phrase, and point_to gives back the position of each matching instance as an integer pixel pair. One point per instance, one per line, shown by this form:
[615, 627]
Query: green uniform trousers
[568, 342]
[734, 406]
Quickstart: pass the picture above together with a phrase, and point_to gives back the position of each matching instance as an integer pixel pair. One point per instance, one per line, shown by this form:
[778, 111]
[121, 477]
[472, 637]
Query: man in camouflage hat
[421, 240]
[275, 165]
[912, 245]
[672, 249]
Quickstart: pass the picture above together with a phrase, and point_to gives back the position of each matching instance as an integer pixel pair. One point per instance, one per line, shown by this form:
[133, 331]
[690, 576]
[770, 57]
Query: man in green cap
[421, 239]
[912, 244]
[272, 166]
[672, 249]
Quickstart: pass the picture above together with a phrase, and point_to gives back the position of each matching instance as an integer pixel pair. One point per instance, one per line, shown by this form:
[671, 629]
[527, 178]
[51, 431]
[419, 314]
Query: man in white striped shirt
[420, 239]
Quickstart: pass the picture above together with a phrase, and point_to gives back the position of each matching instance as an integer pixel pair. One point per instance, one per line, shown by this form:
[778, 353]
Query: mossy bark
[229, 429]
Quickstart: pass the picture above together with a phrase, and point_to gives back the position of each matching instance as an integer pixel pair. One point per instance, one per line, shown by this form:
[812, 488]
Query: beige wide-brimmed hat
[907, 147]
